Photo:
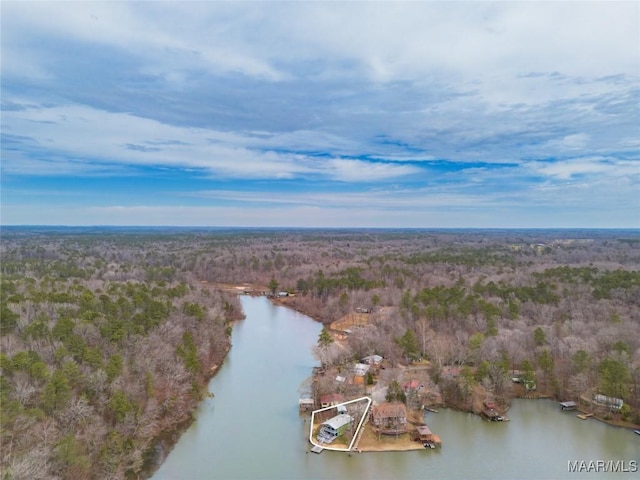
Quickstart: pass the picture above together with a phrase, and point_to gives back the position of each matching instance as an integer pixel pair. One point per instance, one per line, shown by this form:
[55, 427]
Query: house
[389, 418]
[610, 402]
[372, 360]
[331, 399]
[334, 427]
[411, 386]
[360, 369]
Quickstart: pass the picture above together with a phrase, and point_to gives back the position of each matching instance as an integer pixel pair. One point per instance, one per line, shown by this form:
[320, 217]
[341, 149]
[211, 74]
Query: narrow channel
[251, 428]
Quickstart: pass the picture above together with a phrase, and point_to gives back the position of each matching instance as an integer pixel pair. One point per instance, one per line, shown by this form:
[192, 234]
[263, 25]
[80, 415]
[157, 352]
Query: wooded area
[108, 335]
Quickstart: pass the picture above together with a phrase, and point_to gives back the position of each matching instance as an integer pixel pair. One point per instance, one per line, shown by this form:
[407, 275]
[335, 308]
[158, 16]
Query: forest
[108, 336]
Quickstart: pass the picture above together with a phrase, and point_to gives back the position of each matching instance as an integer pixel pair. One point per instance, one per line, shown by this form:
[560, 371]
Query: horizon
[428, 115]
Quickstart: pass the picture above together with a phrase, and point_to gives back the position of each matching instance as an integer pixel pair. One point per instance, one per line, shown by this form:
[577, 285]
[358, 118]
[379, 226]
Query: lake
[251, 429]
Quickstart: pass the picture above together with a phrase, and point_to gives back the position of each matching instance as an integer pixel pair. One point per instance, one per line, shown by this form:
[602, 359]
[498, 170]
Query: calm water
[252, 430]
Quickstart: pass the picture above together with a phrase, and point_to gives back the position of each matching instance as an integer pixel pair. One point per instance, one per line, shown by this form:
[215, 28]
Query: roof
[423, 430]
[389, 410]
[332, 398]
[411, 384]
[360, 368]
[372, 359]
[338, 421]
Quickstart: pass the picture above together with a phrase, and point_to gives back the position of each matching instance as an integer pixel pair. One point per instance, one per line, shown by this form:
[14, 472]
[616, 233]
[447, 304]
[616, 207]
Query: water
[252, 430]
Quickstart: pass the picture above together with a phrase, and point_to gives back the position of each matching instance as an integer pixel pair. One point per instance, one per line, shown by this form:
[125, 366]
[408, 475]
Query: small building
[389, 418]
[334, 427]
[568, 405]
[306, 404]
[360, 369]
[372, 360]
[423, 434]
[331, 399]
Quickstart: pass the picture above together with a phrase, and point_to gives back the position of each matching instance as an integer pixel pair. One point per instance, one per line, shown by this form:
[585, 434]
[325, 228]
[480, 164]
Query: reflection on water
[252, 430]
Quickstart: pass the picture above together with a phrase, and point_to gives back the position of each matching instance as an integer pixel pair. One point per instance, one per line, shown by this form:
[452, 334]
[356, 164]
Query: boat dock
[584, 416]
[568, 405]
[317, 449]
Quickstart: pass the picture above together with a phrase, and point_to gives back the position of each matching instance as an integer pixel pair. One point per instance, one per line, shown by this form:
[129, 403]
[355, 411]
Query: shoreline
[165, 441]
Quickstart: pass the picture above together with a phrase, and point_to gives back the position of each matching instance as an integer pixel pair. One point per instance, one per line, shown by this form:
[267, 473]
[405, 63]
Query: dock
[317, 449]
[568, 405]
[584, 416]
[426, 437]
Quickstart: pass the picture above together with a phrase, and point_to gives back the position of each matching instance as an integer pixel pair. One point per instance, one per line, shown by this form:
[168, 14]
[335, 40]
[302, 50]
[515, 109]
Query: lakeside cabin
[389, 418]
[334, 427]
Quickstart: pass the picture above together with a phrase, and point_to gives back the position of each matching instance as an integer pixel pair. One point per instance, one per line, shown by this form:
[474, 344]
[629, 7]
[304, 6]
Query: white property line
[340, 449]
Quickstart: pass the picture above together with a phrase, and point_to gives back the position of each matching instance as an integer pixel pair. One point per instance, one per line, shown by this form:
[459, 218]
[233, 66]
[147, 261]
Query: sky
[321, 114]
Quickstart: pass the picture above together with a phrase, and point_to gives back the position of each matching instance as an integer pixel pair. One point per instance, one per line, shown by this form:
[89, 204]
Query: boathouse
[306, 404]
[390, 418]
[424, 435]
[568, 405]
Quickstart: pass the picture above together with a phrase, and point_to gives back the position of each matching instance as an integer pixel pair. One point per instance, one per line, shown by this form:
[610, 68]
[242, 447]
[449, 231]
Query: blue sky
[314, 114]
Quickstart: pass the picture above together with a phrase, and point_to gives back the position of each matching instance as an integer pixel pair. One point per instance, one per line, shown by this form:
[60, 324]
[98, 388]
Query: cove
[251, 428]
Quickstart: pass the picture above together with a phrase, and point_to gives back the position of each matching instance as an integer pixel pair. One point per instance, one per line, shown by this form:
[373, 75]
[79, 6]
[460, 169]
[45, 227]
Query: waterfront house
[389, 418]
[609, 402]
[334, 427]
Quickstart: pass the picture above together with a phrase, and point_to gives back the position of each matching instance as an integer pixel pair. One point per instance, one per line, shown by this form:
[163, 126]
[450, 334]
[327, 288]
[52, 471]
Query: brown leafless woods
[108, 336]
